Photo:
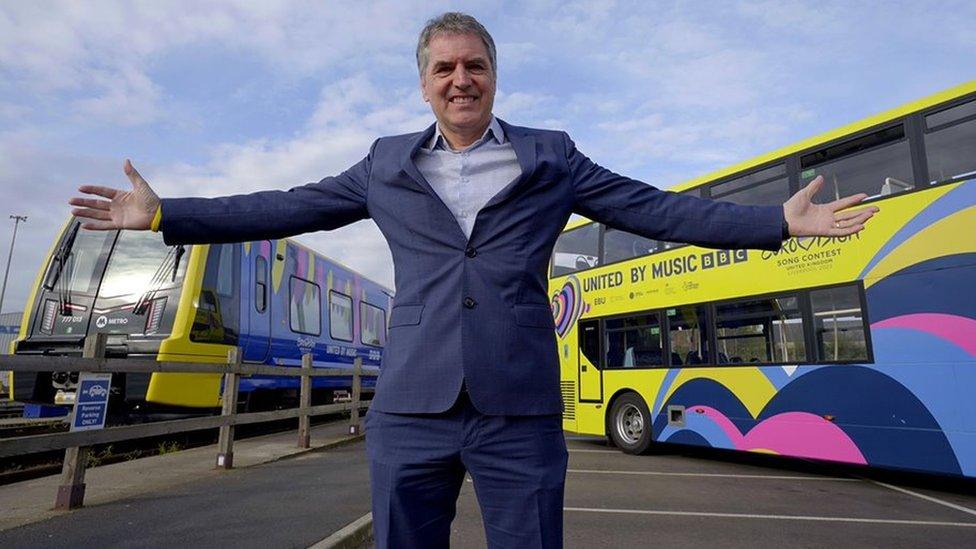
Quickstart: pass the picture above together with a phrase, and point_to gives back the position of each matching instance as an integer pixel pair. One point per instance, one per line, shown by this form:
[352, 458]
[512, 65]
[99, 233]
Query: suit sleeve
[639, 208]
[329, 204]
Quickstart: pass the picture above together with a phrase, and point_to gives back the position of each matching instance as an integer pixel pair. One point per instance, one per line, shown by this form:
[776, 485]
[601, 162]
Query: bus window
[877, 164]
[590, 340]
[949, 143]
[372, 324]
[621, 245]
[634, 342]
[305, 304]
[768, 187]
[688, 334]
[760, 330]
[340, 316]
[839, 324]
[576, 250]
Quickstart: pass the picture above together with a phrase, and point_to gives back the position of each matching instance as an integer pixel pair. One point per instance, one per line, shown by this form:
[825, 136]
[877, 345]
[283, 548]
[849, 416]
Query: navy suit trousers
[418, 463]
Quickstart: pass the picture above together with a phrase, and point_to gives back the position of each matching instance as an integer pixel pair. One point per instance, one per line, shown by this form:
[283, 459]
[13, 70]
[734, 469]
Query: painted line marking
[925, 497]
[714, 475]
[772, 517]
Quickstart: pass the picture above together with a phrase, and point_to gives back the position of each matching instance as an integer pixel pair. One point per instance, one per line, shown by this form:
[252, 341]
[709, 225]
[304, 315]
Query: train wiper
[60, 258]
[173, 258]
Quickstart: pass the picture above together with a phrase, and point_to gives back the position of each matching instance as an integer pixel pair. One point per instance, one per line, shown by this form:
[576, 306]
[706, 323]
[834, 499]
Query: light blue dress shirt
[466, 180]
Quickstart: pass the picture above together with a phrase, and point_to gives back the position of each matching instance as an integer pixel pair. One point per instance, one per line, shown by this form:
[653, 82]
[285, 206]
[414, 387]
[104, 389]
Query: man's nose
[461, 77]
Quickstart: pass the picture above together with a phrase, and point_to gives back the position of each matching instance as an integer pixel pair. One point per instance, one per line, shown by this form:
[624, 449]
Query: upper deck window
[576, 249]
[877, 164]
[950, 142]
[621, 245]
[767, 187]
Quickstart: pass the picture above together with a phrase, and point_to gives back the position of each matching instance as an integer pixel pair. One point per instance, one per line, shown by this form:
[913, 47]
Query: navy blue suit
[470, 310]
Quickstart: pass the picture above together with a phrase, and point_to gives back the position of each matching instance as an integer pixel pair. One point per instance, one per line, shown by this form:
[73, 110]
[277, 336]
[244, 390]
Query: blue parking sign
[91, 402]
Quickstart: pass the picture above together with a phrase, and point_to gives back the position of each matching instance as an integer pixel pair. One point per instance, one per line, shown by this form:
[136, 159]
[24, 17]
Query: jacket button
[470, 252]
[470, 303]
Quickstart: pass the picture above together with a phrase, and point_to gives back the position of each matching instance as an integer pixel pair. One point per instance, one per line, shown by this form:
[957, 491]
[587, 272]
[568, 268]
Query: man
[471, 208]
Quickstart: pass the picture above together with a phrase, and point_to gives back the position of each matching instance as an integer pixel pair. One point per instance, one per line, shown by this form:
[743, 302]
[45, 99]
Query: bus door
[259, 308]
[590, 381]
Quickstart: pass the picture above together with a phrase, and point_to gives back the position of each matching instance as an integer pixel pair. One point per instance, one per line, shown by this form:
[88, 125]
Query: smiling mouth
[462, 99]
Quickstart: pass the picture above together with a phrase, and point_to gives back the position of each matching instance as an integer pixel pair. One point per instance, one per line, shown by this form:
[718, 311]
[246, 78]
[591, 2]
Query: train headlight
[154, 316]
[50, 313]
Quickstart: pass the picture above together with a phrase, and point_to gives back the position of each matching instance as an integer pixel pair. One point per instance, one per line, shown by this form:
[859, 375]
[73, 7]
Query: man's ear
[423, 90]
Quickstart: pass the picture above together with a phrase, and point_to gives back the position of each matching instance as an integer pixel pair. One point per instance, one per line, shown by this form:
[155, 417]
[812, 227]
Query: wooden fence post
[357, 384]
[305, 400]
[71, 491]
[225, 442]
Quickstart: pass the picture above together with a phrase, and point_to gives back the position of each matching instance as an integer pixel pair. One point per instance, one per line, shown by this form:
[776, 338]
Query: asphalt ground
[294, 502]
[674, 498]
[683, 497]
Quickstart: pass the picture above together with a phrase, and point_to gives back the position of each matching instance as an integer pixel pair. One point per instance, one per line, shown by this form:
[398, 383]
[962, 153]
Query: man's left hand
[808, 219]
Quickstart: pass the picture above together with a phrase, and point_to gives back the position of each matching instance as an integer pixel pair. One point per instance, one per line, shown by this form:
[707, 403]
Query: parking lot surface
[692, 498]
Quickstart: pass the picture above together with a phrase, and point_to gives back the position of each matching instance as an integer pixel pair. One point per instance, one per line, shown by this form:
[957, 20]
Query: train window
[760, 330]
[688, 333]
[621, 245]
[372, 324]
[340, 316]
[878, 164]
[576, 250]
[949, 149]
[634, 342]
[217, 319]
[767, 187]
[140, 263]
[839, 324]
[305, 303]
[261, 284]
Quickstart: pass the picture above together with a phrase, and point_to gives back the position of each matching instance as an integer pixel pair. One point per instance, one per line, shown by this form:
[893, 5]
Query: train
[274, 300]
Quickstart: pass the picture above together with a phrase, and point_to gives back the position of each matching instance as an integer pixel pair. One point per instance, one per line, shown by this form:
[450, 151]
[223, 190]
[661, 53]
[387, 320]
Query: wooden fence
[71, 492]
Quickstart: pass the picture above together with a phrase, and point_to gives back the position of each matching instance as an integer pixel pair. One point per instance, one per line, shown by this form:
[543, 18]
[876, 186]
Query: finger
[134, 176]
[106, 192]
[90, 203]
[851, 214]
[98, 225]
[814, 186]
[847, 202]
[91, 214]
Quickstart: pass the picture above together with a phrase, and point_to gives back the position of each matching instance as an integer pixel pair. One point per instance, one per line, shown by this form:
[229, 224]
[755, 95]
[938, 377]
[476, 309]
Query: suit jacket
[473, 310]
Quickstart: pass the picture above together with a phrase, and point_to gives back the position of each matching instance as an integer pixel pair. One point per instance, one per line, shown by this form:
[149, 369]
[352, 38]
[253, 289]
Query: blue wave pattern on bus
[907, 410]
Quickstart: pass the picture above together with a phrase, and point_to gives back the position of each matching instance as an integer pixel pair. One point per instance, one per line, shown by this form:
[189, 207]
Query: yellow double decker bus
[859, 349]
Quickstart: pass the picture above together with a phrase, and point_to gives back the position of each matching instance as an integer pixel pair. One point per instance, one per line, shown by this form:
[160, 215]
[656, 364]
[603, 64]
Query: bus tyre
[629, 424]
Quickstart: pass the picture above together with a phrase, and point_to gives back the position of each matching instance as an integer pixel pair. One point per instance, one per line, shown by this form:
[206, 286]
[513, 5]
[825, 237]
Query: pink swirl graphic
[567, 306]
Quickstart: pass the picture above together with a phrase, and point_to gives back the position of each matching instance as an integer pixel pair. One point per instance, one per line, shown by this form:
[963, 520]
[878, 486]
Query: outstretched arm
[133, 209]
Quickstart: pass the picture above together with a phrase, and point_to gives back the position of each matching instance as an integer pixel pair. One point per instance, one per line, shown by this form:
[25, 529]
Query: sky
[210, 98]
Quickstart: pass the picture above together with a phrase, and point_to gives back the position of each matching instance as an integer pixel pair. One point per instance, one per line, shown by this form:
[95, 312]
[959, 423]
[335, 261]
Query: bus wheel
[630, 424]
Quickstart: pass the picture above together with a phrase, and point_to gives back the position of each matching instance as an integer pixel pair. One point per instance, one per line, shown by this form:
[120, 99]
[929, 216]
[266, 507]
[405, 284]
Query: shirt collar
[494, 131]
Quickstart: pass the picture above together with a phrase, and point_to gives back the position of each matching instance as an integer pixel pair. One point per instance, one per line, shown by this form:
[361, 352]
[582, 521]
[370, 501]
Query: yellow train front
[274, 300]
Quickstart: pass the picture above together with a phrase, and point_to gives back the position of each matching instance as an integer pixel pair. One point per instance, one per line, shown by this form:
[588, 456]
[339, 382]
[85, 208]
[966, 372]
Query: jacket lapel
[524, 146]
[408, 165]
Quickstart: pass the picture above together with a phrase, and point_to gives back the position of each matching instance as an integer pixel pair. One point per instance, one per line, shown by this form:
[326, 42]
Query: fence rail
[71, 493]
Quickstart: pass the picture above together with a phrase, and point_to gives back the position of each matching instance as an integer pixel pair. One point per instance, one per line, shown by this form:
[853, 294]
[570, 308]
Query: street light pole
[17, 219]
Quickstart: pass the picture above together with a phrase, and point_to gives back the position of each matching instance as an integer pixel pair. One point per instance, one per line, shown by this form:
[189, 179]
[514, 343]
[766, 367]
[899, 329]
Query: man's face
[459, 83]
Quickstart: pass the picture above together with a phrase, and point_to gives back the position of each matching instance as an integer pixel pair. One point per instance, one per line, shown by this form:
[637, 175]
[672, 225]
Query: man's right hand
[133, 209]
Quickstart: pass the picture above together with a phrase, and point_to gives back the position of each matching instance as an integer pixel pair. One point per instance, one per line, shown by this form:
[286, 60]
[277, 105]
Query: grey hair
[452, 22]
